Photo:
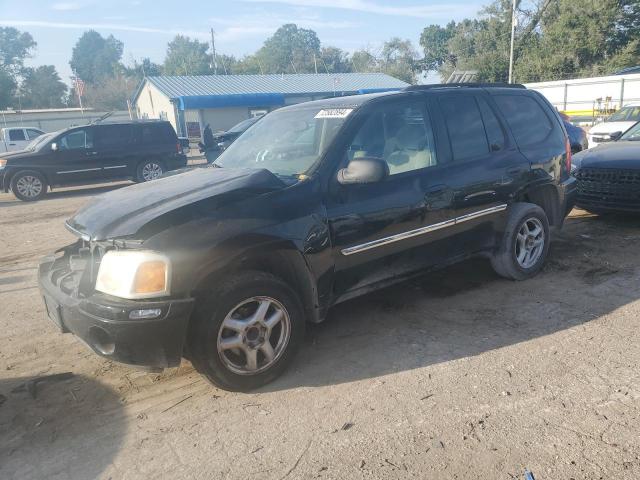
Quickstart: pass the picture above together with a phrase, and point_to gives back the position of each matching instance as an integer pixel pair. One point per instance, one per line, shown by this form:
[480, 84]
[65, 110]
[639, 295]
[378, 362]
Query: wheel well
[9, 178]
[287, 265]
[546, 197]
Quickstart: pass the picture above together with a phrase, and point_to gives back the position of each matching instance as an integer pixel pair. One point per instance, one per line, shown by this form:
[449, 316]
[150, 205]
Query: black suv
[102, 152]
[315, 204]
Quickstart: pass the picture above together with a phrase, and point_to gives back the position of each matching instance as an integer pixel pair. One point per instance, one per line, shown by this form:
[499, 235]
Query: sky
[241, 26]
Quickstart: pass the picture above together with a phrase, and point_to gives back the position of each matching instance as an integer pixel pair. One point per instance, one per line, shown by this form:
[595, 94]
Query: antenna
[213, 52]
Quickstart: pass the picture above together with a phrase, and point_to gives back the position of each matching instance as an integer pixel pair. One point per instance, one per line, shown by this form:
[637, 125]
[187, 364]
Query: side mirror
[364, 170]
[615, 135]
[54, 146]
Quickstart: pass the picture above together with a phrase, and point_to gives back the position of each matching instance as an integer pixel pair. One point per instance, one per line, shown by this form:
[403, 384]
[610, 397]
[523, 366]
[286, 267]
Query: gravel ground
[458, 374]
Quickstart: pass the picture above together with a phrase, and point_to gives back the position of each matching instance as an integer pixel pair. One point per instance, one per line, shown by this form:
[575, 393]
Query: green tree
[95, 58]
[364, 61]
[399, 59]
[187, 57]
[15, 47]
[144, 68]
[434, 41]
[289, 50]
[42, 88]
[333, 60]
[110, 94]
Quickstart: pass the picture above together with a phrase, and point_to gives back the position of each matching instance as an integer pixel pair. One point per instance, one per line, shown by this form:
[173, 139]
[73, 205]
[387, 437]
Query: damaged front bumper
[105, 323]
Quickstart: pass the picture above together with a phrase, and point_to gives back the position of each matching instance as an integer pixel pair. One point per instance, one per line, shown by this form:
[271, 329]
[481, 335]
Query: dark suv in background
[315, 204]
[97, 153]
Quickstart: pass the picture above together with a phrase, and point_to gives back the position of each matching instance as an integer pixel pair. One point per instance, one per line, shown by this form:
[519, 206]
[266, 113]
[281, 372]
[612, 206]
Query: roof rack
[411, 88]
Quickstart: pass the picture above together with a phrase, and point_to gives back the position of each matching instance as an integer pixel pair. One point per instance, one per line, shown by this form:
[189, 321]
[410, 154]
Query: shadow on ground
[467, 309]
[72, 429]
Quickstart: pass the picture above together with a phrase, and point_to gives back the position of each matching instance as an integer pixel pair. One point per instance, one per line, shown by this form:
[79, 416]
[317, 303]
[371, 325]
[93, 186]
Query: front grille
[75, 272]
[608, 187]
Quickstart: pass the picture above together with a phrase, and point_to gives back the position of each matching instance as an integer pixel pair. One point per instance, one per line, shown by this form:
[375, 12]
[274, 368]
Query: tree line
[555, 39]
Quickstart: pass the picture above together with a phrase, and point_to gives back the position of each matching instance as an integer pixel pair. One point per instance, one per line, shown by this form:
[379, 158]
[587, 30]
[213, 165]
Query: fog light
[145, 313]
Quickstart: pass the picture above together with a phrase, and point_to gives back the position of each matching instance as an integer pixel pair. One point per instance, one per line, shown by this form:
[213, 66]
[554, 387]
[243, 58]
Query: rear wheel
[29, 186]
[246, 333]
[525, 243]
[149, 170]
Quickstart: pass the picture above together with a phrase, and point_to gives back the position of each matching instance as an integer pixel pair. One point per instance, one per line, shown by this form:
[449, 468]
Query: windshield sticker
[334, 113]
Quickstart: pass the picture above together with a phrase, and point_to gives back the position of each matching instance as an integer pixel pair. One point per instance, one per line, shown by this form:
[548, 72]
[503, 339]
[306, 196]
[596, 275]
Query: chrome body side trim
[421, 231]
[78, 171]
[115, 166]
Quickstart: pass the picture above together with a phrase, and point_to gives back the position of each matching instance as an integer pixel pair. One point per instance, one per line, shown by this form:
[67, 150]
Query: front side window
[400, 134]
[76, 140]
[466, 129]
[286, 142]
[16, 135]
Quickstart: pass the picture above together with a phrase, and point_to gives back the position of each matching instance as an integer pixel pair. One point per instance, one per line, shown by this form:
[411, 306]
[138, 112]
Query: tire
[149, 170]
[29, 185]
[511, 260]
[222, 354]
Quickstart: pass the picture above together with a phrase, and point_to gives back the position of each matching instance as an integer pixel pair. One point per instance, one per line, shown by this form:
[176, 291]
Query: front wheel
[246, 334]
[149, 170]
[29, 186]
[525, 243]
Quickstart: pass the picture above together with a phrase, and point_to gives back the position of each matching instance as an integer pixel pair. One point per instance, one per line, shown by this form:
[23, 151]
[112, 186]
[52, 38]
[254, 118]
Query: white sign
[334, 113]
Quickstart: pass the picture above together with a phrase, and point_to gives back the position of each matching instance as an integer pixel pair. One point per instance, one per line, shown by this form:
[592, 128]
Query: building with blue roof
[192, 102]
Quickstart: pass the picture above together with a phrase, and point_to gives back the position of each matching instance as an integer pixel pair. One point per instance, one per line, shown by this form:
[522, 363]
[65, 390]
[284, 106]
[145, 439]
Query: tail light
[567, 146]
[178, 147]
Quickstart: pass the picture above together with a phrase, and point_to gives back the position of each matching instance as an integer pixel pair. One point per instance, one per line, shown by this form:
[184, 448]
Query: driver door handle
[92, 153]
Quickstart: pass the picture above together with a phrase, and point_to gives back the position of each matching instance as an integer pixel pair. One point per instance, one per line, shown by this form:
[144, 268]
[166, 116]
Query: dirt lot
[459, 374]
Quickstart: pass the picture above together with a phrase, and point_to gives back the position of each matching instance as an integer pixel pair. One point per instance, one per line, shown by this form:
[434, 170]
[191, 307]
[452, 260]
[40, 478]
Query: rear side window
[113, 136]
[16, 135]
[161, 133]
[464, 122]
[529, 124]
[495, 135]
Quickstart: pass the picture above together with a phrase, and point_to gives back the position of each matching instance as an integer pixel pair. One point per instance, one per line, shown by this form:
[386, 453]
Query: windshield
[38, 142]
[632, 134]
[286, 142]
[626, 114]
[242, 126]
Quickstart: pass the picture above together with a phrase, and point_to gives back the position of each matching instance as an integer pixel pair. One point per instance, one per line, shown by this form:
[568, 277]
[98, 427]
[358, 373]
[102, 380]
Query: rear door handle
[92, 153]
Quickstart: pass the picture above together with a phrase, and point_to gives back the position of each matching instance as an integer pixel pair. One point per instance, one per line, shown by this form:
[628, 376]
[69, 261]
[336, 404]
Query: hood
[123, 212]
[610, 127]
[620, 154]
[17, 154]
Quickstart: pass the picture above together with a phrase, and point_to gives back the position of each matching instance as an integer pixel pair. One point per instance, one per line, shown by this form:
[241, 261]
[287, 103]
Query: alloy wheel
[29, 186]
[151, 171]
[529, 242]
[254, 335]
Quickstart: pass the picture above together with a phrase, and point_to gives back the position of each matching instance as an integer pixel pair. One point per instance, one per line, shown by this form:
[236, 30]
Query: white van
[13, 139]
[621, 121]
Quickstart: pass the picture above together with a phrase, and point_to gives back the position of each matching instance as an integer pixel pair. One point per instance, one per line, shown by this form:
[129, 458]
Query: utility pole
[514, 20]
[213, 52]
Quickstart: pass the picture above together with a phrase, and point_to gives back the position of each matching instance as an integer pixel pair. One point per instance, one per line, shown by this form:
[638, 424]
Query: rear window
[16, 135]
[528, 121]
[161, 133]
[32, 133]
[464, 122]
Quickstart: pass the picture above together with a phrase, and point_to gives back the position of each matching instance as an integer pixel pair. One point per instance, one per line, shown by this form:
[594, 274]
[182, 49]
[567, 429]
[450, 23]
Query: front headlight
[3, 163]
[134, 274]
